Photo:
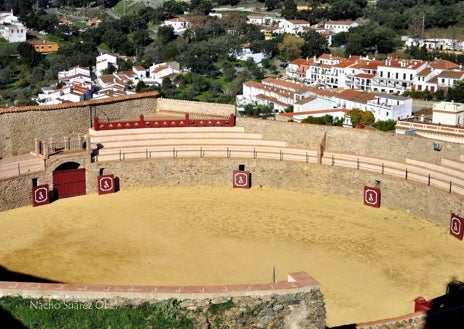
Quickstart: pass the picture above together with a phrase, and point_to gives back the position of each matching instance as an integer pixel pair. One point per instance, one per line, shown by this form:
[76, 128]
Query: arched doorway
[68, 180]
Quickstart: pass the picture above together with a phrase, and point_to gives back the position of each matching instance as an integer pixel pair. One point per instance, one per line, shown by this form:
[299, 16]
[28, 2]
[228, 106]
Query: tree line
[207, 48]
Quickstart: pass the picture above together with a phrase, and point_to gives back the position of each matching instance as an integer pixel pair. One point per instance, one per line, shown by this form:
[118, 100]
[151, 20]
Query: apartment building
[277, 93]
[391, 76]
[309, 101]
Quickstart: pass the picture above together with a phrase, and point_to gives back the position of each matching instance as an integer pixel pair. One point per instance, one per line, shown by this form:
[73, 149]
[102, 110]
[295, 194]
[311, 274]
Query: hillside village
[319, 86]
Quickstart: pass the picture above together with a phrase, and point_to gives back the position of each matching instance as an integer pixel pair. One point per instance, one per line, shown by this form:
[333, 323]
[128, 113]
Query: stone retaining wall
[177, 105]
[296, 303]
[416, 199]
[371, 143]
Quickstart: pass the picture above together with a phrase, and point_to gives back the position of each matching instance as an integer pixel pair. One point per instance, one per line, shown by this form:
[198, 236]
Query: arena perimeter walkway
[371, 263]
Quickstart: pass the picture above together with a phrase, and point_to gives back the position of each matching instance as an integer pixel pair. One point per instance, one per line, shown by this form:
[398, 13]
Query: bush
[387, 125]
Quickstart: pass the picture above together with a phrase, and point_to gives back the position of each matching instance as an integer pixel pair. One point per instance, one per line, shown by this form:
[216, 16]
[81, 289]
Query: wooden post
[36, 146]
[96, 123]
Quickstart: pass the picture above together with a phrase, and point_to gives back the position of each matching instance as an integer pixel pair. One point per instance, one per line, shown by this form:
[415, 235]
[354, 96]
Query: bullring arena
[177, 220]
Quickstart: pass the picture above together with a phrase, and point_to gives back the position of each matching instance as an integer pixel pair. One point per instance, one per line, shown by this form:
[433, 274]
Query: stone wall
[371, 143]
[19, 126]
[416, 199]
[176, 105]
[296, 303]
[411, 321]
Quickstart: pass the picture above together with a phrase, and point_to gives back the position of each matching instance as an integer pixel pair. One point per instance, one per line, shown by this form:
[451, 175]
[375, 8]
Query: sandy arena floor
[371, 263]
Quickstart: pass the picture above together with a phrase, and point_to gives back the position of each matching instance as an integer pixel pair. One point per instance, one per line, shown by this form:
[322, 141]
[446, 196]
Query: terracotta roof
[340, 22]
[346, 63]
[298, 21]
[38, 42]
[354, 95]
[302, 61]
[329, 56]
[451, 74]
[271, 99]
[160, 68]
[443, 64]
[288, 84]
[177, 19]
[138, 68]
[365, 75]
[425, 72]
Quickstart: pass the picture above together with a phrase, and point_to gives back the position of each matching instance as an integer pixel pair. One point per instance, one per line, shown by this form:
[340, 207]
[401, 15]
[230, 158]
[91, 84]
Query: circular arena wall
[21, 126]
[419, 200]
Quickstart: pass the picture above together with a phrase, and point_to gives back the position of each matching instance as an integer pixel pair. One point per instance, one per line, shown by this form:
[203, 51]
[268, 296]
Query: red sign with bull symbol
[40, 195]
[241, 179]
[106, 184]
[457, 226]
[372, 196]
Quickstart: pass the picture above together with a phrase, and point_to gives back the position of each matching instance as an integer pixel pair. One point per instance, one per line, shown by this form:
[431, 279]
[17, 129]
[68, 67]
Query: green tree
[271, 4]
[456, 93]
[201, 6]
[289, 10]
[166, 34]
[28, 55]
[361, 117]
[345, 9]
[290, 47]
[228, 72]
[387, 125]
[315, 44]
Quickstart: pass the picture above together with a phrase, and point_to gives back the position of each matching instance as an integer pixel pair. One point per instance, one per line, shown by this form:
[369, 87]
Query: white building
[76, 74]
[11, 29]
[393, 76]
[164, 70]
[261, 19]
[293, 26]
[448, 113]
[178, 24]
[310, 101]
[245, 53]
[339, 26]
[104, 61]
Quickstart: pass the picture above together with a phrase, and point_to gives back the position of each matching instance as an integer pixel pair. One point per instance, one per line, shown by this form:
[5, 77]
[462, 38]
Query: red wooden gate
[68, 183]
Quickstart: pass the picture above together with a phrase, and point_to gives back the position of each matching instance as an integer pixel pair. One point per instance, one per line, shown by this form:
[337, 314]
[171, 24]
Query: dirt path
[371, 263]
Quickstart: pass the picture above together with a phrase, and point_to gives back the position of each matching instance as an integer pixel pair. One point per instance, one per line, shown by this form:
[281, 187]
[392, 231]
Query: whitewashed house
[178, 24]
[293, 26]
[11, 29]
[76, 74]
[140, 72]
[163, 70]
[104, 61]
[448, 113]
[339, 26]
